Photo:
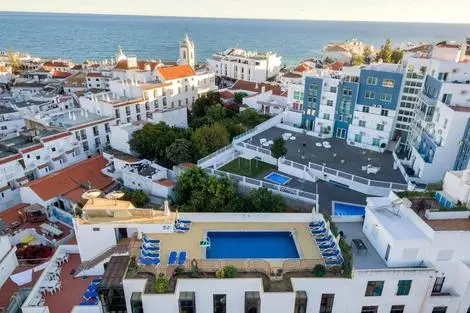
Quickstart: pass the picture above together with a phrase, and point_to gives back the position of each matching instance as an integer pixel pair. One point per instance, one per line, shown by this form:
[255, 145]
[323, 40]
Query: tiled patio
[353, 157]
[9, 288]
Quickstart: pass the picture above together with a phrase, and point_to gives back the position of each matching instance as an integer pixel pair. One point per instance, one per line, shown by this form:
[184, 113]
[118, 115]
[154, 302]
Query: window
[370, 95]
[384, 112]
[326, 116]
[298, 95]
[252, 302]
[403, 287]
[375, 142]
[300, 305]
[370, 309]
[187, 302]
[446, 98]
[137, 108]
[388, 83]
[329, 103]
[53, 149]
[371, 80]
[358, 138]
[333, 89]
[386, 97]
[138, 117]
[397, 309]
[95, 131]
[220, 303]
[365, 109]
[347, 92]
[147, 106]
[128, 111]
[380, 127]
[136, 302]
[116, 113]
[85, 146]
[438, 283]
[96, 229]
[38, 157]
[374, 288]
[439, 309]
[362, 123]
[326, 302]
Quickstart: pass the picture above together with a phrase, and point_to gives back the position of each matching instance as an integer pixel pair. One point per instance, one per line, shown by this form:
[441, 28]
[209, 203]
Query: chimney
[70, 114]
[82, 113]
[74, 117]
[263, 89]
[166, 208]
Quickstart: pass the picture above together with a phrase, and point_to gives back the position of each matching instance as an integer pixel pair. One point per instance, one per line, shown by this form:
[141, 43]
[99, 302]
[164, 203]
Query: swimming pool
[277, 178]
[343, 208]
[251, 245]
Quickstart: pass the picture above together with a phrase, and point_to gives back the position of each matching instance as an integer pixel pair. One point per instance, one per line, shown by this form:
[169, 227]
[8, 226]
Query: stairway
[121, 248]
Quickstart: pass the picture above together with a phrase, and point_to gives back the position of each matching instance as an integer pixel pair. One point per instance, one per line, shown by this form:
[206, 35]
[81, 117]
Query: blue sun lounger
[96, 281]
[149, 248]
[90, 302]
[331, 253]
[316, 224]
[90, 295]
[149, 255]
[92, 288]
[323, 239]
[185, 222]
[153, 241]
[147, 245]
[318, 231]
[172, 258]
[181, 229]
[334, 261]
[149, 261]
[182, 258]
[325, 245]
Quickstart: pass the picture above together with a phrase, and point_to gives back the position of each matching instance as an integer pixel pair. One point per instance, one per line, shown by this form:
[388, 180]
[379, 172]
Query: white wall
[9, 261]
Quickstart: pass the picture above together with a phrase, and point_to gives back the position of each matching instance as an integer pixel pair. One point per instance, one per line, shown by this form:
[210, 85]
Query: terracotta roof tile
[11, 214]
[71, 178]
[32, 148]
[58, 74]
[141, 65]
[189, 165]
[10, 158]
[176, 72]
[56, 64]
[166, 182]
[94, 74]
[55, 137]
[226, 94]
[256, 87]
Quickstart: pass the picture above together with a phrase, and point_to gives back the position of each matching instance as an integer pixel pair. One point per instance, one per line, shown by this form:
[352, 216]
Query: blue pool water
[277, 178]
[251, 245]
[343, 209]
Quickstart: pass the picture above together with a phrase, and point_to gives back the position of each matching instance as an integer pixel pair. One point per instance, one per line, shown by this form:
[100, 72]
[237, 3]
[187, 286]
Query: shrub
[220, 273]
[319, 270]
[348, 259]
[132, 267]
[162, 284]
[179, 270]
[230, 271]
[34, 252]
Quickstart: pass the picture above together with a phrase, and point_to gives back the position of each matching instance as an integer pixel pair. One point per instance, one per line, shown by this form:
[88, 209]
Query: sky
[438, 11]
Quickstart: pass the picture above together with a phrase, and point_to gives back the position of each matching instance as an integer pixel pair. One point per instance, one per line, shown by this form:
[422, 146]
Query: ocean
[96, 37]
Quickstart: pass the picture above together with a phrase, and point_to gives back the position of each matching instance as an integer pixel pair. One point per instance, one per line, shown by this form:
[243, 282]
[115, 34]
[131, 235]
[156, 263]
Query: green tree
[263, 200]
[385, 53]
[238, 97]
[367, 54]
[204, 102]
[278, 149]
[151, 141]
[210, 138]
[396, 56]
[180, 151]
[14, 60]
[357, 59]
[138, 198]
[216, 112]
[249, 117]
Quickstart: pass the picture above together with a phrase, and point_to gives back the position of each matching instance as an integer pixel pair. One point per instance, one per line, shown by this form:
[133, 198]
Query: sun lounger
[90, 295]
[325, 245]
[182, 258]
[316, 224]
[172, 258]
[90, 302]
[319, 230]
[96, 281]
[331, 253]
[152, 241]
[149, 245]
[185, 222]
[149, 255]
[334, 261]
[149, 261]
[181, 229]
[92, 288]
[322, 239]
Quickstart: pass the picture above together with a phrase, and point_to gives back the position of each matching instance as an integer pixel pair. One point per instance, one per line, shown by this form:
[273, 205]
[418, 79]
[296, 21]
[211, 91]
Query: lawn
[242, 167]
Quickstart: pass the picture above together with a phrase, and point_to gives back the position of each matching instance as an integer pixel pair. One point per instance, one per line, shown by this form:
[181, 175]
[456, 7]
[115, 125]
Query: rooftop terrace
[340, 156]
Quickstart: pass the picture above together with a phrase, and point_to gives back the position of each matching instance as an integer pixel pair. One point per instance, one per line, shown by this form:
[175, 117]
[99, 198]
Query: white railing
[214, 154]
[273, 121]
[254, 148]
[357, 179]
[256, 183]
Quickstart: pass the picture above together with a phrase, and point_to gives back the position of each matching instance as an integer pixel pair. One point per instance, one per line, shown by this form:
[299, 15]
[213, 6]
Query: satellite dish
[115, 195]
[92, 194]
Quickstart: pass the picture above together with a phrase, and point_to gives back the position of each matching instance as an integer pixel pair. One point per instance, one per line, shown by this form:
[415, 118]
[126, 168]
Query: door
[341, 133]
[121, 233]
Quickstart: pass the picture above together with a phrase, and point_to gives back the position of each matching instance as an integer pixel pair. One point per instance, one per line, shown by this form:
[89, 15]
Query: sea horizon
[96, 37]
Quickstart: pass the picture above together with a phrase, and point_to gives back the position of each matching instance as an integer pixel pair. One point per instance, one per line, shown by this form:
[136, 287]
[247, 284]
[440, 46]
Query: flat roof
[121, 155]
[78, 117]
[354, 157]
[189, 242]
[5, 110]
[27, 103]
[27, 139]
[115, 270]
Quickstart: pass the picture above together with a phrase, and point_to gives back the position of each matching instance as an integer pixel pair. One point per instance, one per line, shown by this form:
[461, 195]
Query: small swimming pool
[251, 245]
[277, 178]
[348, 209]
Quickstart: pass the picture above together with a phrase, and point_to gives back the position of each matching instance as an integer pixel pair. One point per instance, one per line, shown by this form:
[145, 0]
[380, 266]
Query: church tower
[187, 52]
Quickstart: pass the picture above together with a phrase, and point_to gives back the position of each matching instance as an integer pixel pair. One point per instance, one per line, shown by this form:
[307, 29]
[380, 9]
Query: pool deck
[189, 241]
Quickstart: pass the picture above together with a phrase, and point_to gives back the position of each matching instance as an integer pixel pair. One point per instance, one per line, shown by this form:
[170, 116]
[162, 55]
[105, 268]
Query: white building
[234, 64]
[265, 98]
[186, 52]
[402, 262]
[8, 260]
[10, 120]
[122, 134]
[91, 131]
[177, 117]
[5, 74]
[96, 80]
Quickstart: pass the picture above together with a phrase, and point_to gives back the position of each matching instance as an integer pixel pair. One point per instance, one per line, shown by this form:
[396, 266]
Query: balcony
[426, 99]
